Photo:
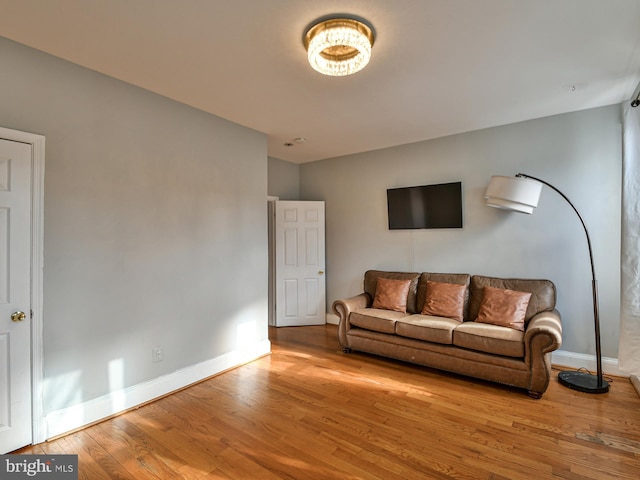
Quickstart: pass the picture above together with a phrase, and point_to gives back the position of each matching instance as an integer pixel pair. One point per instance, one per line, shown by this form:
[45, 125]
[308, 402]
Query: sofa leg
[536, 395]
[346, 349]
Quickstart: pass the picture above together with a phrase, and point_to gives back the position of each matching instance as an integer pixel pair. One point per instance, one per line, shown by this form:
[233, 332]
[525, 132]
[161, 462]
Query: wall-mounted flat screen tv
[426, 206]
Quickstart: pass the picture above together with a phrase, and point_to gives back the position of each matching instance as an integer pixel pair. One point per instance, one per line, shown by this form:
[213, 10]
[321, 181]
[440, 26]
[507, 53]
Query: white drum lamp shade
[513, 193]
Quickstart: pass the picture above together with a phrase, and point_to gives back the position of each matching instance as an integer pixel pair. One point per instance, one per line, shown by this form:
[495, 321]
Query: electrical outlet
[157, 354]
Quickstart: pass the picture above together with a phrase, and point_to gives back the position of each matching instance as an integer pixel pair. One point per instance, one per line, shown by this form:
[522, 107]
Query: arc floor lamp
[521, 194]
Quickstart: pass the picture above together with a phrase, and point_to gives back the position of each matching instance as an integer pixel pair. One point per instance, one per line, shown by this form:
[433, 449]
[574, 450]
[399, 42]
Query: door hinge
[31, 314]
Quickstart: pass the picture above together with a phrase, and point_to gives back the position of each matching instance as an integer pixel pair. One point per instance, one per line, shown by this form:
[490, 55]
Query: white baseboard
[582, 360]
[636, 383]
[332, 318]
[66, 420]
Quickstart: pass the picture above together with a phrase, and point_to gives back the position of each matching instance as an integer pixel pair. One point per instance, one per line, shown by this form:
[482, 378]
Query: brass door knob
[18, 316]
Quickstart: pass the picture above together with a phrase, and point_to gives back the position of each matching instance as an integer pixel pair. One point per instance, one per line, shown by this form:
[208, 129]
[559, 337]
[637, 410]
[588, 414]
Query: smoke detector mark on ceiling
[298, 140]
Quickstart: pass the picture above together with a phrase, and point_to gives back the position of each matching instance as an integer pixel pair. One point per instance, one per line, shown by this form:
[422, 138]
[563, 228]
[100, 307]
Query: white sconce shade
[513, 193]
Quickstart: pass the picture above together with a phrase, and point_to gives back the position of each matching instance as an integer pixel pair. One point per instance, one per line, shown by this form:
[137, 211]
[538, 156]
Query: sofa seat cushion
[489, 338]
[427, 327]
[376, 319]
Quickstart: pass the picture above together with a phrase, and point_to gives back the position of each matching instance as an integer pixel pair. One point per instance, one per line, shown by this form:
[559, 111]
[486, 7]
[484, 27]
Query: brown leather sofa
[486, 351]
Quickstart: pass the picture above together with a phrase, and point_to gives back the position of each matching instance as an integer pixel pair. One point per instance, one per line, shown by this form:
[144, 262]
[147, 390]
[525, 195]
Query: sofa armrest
[546, 325]
[342, 308]
[542, 336]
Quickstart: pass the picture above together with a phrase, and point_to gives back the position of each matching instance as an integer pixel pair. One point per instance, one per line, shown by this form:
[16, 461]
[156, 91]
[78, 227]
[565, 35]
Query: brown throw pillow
[444, 300]
[503, 307]
[391, 294]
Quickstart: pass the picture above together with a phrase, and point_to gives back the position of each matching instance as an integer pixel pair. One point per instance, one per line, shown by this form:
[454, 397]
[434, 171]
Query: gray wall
[579, 153]
[284, 179]
[155, 226]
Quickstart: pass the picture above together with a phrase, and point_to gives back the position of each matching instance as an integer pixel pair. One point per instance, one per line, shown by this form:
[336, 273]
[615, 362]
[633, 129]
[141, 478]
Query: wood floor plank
[310, 412]
[88, 466]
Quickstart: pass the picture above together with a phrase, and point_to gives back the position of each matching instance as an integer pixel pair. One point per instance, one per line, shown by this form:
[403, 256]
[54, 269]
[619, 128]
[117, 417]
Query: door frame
[271, 226]
[37, 142]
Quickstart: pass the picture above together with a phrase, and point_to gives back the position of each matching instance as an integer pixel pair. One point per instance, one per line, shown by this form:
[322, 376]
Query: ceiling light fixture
[339, 46]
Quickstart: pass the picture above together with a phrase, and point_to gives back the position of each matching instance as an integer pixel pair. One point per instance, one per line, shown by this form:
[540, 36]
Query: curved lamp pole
[519, 195]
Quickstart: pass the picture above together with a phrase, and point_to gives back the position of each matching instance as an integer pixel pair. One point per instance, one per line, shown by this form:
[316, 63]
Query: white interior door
[15, 295]
[300, 263]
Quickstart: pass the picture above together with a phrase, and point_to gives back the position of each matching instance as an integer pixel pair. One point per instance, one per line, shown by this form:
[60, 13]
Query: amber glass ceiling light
[339, 46]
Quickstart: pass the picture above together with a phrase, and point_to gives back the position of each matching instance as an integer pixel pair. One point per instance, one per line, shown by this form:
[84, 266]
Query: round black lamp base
[583, 382]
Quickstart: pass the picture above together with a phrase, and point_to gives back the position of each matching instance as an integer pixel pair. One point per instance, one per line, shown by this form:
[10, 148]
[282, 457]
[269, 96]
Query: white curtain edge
[629, 341]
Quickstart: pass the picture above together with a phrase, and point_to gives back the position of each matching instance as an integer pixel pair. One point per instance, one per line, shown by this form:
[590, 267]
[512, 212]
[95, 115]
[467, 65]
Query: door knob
[18, 316]
[320, 272]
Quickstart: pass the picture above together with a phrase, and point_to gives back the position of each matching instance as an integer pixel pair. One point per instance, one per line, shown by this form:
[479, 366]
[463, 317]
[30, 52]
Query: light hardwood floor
[308, 411]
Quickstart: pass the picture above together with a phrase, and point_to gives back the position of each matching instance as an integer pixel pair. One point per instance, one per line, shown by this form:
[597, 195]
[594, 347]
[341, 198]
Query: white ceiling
[438, 67]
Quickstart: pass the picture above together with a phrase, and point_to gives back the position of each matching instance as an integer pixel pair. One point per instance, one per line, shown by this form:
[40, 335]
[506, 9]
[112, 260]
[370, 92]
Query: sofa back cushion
[456, 278]
[371, 281]
[543, 293]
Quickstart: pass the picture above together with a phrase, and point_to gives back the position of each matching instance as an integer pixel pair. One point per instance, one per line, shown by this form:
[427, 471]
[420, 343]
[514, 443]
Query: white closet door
[300, 263]
[15, 295]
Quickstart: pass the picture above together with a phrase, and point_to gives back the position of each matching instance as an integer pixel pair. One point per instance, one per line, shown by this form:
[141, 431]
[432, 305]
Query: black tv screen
[426, 206]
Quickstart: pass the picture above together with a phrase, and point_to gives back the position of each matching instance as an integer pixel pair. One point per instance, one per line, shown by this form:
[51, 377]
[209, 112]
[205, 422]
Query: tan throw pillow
[391, 294]
[444, 300]
[503, 307]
